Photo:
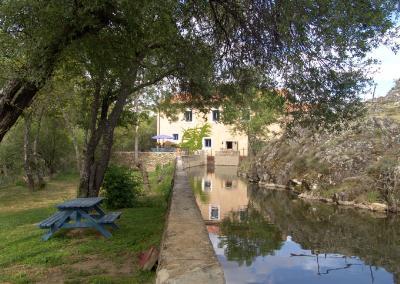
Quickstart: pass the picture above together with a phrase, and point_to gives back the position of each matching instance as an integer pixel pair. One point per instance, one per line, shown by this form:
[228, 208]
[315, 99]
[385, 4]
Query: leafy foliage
[51, 140]
[11, 160]
[192, 138]
[108, 51]
[252, 109]
[122, 187]
[315, 50]
[125, 136]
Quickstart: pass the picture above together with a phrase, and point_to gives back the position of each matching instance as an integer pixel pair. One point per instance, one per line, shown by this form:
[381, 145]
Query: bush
[121, 187]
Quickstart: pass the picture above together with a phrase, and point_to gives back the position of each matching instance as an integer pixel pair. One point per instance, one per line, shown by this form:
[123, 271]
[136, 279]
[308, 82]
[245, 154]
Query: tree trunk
[88, 173]
[93, 170]
[136, 150]
[14, 98]
[108, 139]
[36, 159]
[28, 153]
[136, 153]
[251, 155]
[92, 139]
[5, 171]
[72, 131]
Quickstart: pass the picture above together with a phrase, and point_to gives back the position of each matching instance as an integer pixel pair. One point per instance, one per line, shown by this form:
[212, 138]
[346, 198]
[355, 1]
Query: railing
[163, 149]
[227, 152]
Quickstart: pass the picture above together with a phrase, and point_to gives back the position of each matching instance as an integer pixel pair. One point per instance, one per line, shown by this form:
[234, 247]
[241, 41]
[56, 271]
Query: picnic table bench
[80, 213]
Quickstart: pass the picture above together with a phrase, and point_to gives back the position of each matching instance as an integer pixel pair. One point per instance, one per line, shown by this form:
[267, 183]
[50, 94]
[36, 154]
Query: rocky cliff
[359, 164]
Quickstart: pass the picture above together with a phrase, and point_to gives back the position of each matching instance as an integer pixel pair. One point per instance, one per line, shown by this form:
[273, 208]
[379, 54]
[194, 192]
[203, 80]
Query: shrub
[122, 187]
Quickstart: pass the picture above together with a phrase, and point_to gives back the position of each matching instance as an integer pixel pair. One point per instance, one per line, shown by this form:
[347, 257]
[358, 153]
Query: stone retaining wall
[227, 158]
[148, 159]
[199, 159]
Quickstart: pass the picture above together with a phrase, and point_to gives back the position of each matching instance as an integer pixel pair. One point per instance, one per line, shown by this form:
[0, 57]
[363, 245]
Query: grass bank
[77, 256]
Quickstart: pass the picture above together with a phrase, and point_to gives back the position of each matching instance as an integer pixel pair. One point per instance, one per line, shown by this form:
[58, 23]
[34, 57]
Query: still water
[265, 236]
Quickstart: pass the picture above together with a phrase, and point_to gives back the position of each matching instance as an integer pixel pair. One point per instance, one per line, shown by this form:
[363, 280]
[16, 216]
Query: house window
[207, 185]
[242, 214]
[207, 142]
[215, 115]
[188, 115]
[214, 212]
[228, 184]
[176, 136]
[229, 145]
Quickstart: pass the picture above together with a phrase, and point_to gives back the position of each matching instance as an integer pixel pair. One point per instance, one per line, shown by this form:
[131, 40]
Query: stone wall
[199, 159]
[186, 252]
[148, 159]
[227, 158]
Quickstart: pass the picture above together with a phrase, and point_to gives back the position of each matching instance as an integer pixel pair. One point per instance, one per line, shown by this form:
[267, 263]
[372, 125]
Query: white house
[223, 137]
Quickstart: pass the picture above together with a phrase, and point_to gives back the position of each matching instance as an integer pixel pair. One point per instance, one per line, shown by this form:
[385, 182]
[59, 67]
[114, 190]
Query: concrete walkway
[186, 255]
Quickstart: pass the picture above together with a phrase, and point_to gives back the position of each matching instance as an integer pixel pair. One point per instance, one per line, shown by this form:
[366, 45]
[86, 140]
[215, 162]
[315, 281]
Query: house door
[229, 145]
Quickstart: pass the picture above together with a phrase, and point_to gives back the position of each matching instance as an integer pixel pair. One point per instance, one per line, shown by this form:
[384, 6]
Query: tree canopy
[314, 49]
[98, 56]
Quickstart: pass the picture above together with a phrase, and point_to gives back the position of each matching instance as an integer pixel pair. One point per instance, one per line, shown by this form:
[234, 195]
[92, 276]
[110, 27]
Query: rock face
[357, 164]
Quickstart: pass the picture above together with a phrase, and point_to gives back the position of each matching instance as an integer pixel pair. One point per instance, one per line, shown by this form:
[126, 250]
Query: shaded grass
[160, 180]
[25, 258]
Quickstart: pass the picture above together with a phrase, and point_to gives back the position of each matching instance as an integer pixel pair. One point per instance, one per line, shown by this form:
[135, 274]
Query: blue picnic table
[80, 213]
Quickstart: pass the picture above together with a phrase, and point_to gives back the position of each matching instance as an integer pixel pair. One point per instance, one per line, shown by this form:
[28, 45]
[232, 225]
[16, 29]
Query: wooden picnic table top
[80, 203]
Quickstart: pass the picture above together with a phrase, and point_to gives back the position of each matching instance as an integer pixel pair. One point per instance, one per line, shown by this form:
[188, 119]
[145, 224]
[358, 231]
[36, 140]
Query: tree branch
[155, 80]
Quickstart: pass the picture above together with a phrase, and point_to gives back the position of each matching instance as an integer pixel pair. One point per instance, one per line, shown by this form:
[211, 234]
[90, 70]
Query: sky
[388, 70]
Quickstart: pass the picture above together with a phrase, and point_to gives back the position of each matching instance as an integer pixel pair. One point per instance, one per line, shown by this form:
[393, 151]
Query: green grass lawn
[80, 255]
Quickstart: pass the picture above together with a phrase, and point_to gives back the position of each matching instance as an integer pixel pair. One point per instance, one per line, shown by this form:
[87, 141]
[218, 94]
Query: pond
[266, 236]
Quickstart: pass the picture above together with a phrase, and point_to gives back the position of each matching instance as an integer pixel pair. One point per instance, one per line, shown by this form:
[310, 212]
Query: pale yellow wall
[219, 132]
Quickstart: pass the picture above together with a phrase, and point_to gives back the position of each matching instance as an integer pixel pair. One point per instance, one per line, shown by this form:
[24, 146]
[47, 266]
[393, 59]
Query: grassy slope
[74, 256]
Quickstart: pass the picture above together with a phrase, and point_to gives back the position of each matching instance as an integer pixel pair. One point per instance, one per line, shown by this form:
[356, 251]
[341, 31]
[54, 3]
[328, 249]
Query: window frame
[228, 184]
[210, 210]
[203, 185]
[218, 114]
[204, 142]
[186, 117]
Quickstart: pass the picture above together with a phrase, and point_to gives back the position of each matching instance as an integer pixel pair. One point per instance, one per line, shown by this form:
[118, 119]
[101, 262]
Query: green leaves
[250, 109]
[122, 187]
[192, 138]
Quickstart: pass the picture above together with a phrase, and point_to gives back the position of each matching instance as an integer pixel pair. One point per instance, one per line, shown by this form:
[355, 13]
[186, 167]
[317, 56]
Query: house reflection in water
[218, 191]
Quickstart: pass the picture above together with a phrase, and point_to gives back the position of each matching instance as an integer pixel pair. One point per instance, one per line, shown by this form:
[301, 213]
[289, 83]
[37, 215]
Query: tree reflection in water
[244, 235]
[198, 191]
[324, 228]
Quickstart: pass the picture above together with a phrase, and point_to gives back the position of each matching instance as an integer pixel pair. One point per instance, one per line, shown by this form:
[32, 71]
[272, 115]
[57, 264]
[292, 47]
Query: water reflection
[263, 236]
[246, 235]
[218, 192]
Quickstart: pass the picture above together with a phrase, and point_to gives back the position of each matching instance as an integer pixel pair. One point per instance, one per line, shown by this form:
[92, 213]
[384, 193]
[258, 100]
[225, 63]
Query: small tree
[251, 112]
[192, 138]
